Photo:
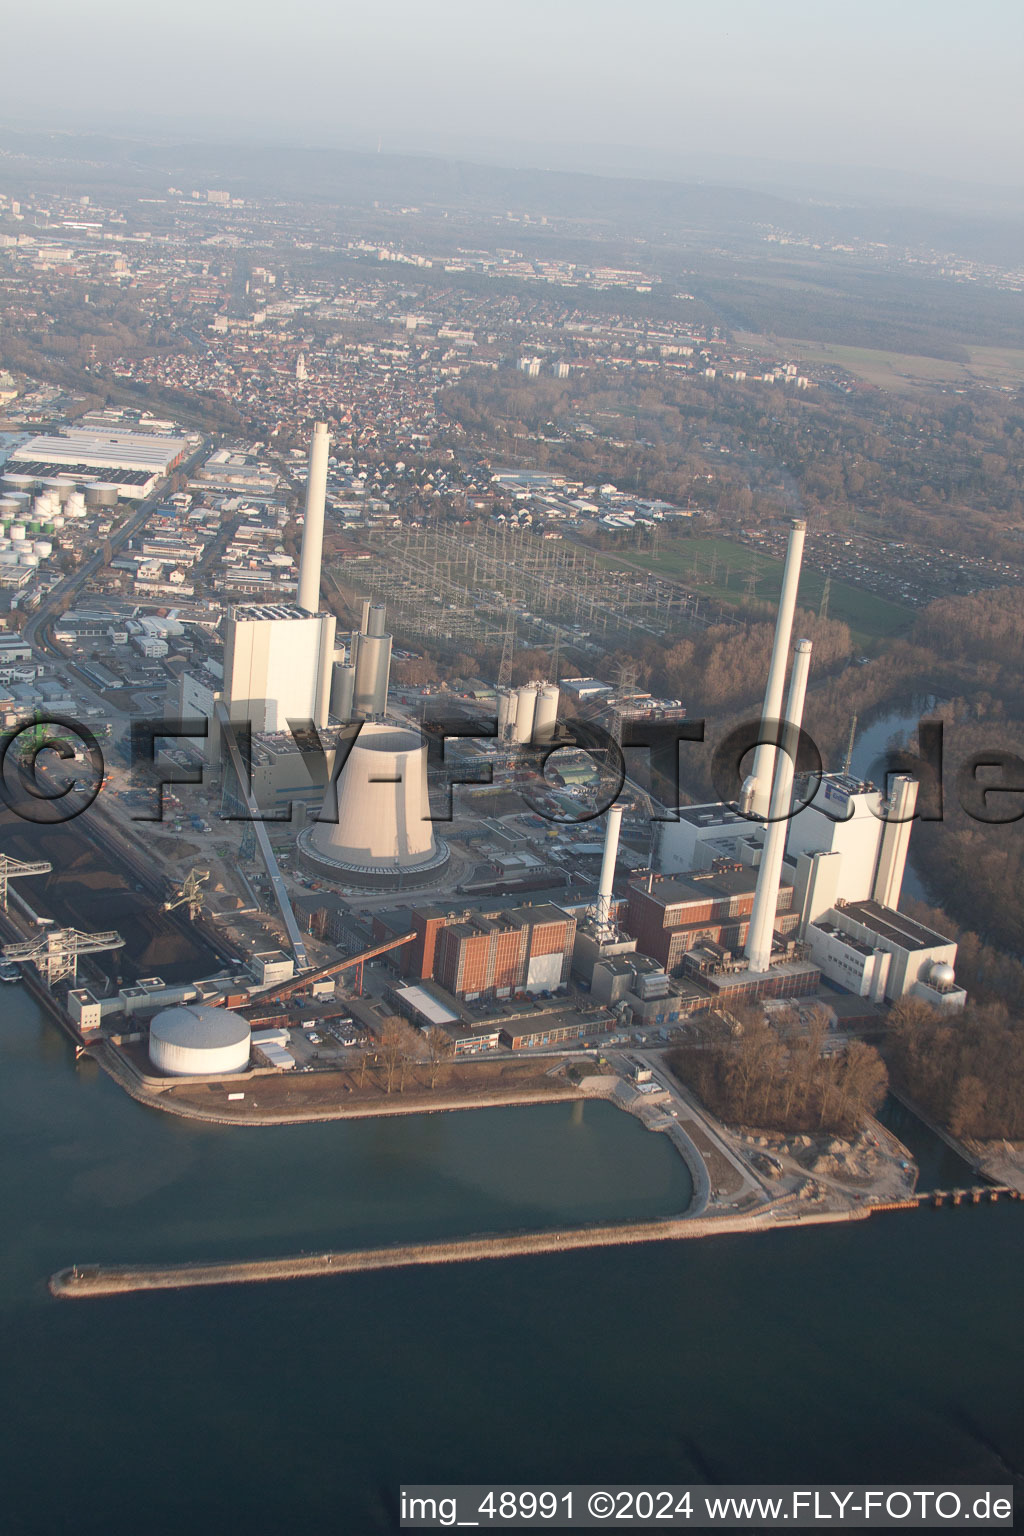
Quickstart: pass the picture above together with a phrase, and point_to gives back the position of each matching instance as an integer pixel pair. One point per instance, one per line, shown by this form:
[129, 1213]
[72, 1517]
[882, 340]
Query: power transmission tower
[507, 649]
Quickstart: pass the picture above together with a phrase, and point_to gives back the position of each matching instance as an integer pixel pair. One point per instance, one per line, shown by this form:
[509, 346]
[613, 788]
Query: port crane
[56, 951]
[9, 867]
[191, 894]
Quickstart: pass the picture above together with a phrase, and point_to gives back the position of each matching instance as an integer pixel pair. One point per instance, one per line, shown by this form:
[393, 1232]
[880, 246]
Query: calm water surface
[888, 1350]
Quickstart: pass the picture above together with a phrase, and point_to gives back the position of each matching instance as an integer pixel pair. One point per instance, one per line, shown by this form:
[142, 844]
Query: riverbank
[112, 1280]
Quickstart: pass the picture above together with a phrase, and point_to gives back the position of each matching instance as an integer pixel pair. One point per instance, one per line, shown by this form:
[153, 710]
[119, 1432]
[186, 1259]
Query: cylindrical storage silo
[369, 661]
[375, 620]
[57, 521]
[506, 712]
[545, 717]
[17, 530]
[28, 559]
[526, 705]
[42, 547]
[383, 676]
[376, 815]
[195, 1040]
[343, 690]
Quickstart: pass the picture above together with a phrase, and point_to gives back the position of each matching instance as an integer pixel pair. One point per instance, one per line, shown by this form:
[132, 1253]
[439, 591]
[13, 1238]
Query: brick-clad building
[670, 915]
[483, 954]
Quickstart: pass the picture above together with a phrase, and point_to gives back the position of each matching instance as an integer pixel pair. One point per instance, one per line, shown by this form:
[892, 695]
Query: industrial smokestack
[607, 880]
[313, 525]
[758, 951]
[756, 794]
[892, 856]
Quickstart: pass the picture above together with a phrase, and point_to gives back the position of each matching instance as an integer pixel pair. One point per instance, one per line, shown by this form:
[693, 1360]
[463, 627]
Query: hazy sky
[929, 85]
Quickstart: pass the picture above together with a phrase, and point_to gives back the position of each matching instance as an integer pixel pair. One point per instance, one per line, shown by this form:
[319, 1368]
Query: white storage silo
[545, 716]
[17, 531]
[526, 705]
[42, 547]
[28, 559]
[507, 700]
[343, 690]
[196, 1040]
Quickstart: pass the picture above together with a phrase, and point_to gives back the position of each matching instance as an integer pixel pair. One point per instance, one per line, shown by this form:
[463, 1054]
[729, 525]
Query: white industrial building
[277, 665]
[874, 952]
[196, 1040]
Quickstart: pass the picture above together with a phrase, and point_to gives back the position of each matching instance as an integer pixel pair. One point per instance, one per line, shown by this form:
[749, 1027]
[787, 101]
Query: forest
[965, 1071]
[774, 1075]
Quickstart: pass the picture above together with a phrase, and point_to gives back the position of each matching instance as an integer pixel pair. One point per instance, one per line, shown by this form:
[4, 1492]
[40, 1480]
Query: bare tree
[393, 1051]
[439, 1050]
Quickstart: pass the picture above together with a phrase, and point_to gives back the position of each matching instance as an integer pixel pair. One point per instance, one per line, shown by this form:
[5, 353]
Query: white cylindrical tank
[545, 715]
[373, 661]
[194, 1039]
[42, 547]
[57, 521]
[526, 705]
[8, 557]
[28, 559]
[343, 690]
[507, 701]
[17, 530]
[376, 815]
[4, 543]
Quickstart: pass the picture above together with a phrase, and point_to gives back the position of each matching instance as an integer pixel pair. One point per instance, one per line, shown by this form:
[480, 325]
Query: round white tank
[506, 711]
[546, 713]
[57, 521]
[42, 548]
[381, 819]
[4, 543]
[28, 559]
[17, 530]
[526, 704]
[942, 975]
[197, 1040]
[8, 557]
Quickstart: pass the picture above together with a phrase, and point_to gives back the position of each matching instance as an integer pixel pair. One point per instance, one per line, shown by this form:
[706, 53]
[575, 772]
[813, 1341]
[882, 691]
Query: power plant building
[277, 665]
[477, 955]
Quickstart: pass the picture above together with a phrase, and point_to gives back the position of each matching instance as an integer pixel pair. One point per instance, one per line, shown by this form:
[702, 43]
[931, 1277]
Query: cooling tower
[375, 816]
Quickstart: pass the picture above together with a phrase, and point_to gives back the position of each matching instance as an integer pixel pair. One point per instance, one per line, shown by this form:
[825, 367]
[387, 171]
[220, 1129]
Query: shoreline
[114, 1280]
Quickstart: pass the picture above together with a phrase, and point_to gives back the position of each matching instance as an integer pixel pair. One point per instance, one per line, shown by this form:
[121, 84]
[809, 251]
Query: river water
[882, 1351]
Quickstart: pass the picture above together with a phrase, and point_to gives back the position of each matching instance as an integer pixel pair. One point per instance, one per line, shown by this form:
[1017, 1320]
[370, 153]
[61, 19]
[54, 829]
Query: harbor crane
[190, 894]
[9, 867]
[55, 953]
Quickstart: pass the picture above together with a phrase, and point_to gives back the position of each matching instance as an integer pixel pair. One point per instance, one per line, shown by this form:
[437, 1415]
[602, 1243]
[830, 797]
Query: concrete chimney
[758, 949]
[892, 856]
[607, 880]
[313, 526]
[756, 794]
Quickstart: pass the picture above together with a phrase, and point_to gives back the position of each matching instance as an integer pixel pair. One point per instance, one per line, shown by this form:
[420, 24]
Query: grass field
[902, 372]
[722, 569]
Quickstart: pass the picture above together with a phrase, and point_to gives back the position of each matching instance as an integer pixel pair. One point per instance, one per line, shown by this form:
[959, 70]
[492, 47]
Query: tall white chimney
[758, 949]
[756, 794]
[313, 526]
[892, 855]
[607, 880]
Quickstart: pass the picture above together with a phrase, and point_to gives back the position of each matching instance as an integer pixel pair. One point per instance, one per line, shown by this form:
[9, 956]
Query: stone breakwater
[113, 1280]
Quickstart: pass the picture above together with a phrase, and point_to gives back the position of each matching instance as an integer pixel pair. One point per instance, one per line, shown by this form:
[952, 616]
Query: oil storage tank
[195, 1040]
